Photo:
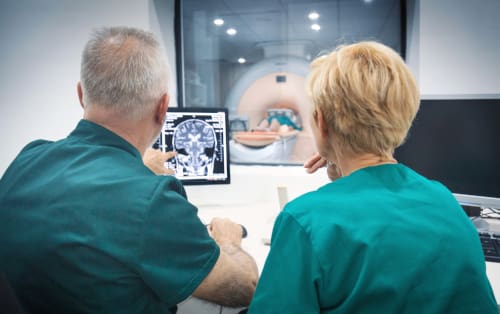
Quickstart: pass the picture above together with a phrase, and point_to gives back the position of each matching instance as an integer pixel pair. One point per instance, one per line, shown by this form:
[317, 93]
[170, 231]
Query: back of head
[123, 70]
[367, 95]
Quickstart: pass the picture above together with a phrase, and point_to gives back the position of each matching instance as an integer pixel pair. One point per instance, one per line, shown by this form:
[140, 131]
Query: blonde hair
[367, 96]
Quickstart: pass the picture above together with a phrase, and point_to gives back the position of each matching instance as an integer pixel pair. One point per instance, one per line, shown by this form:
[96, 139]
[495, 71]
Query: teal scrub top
[381, 240]
[85, 227]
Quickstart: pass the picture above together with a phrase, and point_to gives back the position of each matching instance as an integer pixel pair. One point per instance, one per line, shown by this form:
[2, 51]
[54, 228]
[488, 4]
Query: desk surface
[258, 219]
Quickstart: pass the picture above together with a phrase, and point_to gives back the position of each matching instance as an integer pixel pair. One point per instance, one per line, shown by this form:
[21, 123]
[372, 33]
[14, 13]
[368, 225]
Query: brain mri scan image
[195, 143]
[200, 139]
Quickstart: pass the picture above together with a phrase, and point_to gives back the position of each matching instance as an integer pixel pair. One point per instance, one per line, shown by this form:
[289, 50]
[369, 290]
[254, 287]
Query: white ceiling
[260, 22]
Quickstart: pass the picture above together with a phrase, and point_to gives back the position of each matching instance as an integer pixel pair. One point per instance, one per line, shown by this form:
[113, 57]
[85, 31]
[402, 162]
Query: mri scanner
[271, 90]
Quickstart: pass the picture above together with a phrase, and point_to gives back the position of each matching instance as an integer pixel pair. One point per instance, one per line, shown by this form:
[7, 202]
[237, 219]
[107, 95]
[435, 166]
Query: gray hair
[124, 70]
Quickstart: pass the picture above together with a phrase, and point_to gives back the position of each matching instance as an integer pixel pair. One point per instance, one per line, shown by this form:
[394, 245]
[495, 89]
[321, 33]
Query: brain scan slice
[194, 141]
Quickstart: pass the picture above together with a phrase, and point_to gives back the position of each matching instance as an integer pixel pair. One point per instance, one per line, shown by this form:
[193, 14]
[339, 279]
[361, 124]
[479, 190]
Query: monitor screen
[199, 136]
[456, 142]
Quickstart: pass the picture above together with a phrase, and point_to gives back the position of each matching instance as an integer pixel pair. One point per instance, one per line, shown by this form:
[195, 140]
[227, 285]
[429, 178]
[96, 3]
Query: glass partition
[252, 57]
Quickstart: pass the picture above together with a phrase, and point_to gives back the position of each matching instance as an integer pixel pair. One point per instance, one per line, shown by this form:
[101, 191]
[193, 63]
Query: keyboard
[491, 246]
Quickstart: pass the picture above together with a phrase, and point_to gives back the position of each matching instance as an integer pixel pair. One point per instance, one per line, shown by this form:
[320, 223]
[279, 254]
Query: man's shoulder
[25, 155]
[36, 144]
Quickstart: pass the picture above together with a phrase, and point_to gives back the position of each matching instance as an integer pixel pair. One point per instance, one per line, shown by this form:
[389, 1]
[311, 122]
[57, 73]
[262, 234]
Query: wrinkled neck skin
[349, 164]
[139, 133]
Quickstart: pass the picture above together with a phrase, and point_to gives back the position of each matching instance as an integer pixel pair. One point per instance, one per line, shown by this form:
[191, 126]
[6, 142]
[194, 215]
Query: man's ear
[322, 125]
[161, 108]
[80, 94]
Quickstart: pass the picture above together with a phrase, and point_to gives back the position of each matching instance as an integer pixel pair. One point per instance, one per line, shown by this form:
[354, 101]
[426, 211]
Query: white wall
[41, 44]
[459, 48]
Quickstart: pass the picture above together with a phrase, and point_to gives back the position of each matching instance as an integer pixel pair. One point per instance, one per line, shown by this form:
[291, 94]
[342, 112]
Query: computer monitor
[457, 142]
[200, 137]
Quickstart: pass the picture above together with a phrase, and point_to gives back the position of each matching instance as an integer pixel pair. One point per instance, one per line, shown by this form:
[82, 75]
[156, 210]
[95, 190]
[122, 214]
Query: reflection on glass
[258, 70]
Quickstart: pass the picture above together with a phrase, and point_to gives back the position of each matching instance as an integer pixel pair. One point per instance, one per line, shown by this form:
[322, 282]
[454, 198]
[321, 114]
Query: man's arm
[234, 276]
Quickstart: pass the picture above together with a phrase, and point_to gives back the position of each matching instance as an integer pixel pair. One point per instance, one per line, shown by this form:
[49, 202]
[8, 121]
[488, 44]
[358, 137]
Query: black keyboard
[491, 246]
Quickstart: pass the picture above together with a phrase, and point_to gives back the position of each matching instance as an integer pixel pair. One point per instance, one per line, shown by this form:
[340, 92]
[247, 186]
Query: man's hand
[224, 231]
[316, 162]
[155, 160]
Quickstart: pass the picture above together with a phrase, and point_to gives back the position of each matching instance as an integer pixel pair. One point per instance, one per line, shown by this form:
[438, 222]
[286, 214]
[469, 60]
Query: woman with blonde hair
[380, 238]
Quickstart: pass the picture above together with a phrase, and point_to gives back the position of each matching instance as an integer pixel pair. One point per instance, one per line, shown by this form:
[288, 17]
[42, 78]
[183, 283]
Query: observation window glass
[252, 57]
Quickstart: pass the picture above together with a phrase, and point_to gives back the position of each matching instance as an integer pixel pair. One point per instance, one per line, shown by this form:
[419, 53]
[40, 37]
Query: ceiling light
[242, 60]
[313, 16]
[231, 31]
[368, 1]
[218, 22]
[315, 27]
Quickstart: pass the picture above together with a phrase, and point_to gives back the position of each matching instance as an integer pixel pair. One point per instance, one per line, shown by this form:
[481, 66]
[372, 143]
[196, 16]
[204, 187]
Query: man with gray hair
[86, 227]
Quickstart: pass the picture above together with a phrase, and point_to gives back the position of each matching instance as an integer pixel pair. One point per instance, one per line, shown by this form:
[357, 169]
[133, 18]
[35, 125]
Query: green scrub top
[85, 227]
[381, 240]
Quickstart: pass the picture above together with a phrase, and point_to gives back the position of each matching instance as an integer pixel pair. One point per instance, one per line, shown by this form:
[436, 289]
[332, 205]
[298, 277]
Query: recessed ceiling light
[242, 60]
[313, 16]
[231, 31]
[218, 22]
[315, 27]
[368, 1]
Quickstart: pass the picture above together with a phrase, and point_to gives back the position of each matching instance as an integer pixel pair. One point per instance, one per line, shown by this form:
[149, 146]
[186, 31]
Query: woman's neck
[350, 164]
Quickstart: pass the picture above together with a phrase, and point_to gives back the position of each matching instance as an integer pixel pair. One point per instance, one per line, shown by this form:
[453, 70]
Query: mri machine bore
[268, 109]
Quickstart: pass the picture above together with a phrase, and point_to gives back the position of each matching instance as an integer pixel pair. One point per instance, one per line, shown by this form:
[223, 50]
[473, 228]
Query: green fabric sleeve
[291, 276]
[177, 252]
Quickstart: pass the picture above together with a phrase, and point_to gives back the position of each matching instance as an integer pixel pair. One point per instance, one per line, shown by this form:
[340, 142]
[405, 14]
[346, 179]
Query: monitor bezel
[477, 200]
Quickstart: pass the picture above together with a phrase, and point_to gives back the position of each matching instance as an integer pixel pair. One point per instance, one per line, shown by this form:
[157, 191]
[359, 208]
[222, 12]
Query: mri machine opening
[269, 112]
